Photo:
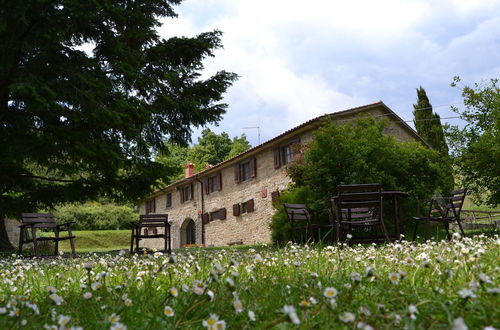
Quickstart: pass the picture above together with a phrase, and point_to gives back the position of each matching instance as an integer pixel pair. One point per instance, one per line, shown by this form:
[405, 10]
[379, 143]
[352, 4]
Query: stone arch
[188, 232]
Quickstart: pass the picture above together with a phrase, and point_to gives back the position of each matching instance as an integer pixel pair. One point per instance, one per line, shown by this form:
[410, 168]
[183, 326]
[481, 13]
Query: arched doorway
[188, 232]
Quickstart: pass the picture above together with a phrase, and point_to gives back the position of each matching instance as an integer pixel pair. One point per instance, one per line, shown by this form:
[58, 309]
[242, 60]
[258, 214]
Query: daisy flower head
[168, 311]
[251, 316]
[304, 304]
[56, 298]
[113, 318]
[466, 294]
[394, 278]
[238, 306]
[211, 321]
[87, 295]
[347, 317]
[118, 326]
[330, 292]
[289, 310]
[355, 277]
[174, 292]
[62, 320]
[459, 324]
[409, 261]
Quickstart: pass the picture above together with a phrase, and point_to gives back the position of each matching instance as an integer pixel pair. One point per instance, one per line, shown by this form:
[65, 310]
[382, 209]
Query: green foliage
[476, 147]
[280, 227]
[74, 125]
[174, 156]
[240, 144]
[211, 149]
[95, 216]
[428, 124]
[360, 152]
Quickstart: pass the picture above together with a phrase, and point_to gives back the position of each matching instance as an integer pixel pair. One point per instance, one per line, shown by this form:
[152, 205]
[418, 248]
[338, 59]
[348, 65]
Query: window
[245, 170]
[218, 215]
[151, 206]
[286, 153]
[168, 202]
[186, 193]
[245, 207]
[213, 183]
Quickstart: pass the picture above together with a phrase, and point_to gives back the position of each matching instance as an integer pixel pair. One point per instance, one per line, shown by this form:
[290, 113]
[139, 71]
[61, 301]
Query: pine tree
[428, 124]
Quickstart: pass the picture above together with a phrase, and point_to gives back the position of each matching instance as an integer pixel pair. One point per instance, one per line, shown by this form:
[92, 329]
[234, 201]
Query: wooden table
[394, 196]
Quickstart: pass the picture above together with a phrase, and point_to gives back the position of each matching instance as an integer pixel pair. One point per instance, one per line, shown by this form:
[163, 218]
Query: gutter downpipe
[202, 209]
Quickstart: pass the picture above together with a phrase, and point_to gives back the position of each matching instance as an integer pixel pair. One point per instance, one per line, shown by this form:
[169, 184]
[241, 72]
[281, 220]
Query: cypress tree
[427, 123]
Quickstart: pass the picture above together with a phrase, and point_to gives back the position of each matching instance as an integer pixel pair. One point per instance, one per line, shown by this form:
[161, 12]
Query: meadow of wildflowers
[402, 285]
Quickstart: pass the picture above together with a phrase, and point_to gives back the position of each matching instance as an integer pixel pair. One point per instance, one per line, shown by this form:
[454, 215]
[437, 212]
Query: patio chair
[148, 228]
[300, 221]
[443, 210]
[32, 223]
[358, 208]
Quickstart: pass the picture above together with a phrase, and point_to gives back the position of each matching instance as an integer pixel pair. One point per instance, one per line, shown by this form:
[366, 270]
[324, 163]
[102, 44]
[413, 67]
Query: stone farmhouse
[231, 202]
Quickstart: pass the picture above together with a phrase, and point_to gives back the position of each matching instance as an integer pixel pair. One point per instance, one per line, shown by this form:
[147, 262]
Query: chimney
[189, 170]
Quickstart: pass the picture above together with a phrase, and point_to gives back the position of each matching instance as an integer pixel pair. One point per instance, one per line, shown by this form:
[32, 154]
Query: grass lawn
[98, 240]
[437, 285]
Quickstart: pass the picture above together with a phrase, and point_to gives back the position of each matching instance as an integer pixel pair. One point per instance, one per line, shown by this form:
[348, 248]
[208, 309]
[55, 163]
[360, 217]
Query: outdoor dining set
[357, 215]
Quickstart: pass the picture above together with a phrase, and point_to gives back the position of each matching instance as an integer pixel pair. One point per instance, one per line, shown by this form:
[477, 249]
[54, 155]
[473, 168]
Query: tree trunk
[5, 244]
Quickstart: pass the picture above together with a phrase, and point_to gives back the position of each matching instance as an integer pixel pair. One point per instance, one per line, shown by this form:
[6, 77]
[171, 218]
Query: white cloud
[298, 60]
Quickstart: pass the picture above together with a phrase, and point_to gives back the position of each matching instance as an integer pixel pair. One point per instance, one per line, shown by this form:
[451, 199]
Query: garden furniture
[443, 210]
[358, 208]
[300, 221]
[33, 222]
[151, 226]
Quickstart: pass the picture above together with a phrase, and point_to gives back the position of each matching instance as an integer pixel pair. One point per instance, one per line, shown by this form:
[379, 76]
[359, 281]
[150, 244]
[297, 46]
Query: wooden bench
[31, 222]
[147, 228]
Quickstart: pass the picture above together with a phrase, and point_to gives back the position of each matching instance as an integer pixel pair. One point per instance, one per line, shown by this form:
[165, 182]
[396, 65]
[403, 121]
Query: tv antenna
[258, 131]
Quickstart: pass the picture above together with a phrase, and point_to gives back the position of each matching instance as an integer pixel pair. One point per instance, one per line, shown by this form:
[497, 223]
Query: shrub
[96, 216]
[360, 152]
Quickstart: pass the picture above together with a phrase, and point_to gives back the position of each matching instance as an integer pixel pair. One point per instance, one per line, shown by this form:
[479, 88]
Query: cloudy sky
[300, 59]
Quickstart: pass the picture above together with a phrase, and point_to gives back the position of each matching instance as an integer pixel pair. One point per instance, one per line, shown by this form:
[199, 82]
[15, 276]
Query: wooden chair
[300, 221]
[147, 228]
[31, 222]
[443, 210]
[358, 207]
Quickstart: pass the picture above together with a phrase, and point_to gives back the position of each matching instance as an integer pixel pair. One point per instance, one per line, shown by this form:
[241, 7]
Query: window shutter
[205, 183]
[181, 191]
[236, 210]
[222, 214]
[253, 167]
[250, 206]
[219, 181]
[191, 192]
[237, 177]
[205, 218]
[275, 195]
[277, 158]
[154, 205]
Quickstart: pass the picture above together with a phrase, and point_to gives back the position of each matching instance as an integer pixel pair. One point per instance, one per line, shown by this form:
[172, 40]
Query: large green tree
[76, 124]
[212, 148]
[428, 124]
[476, 146]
